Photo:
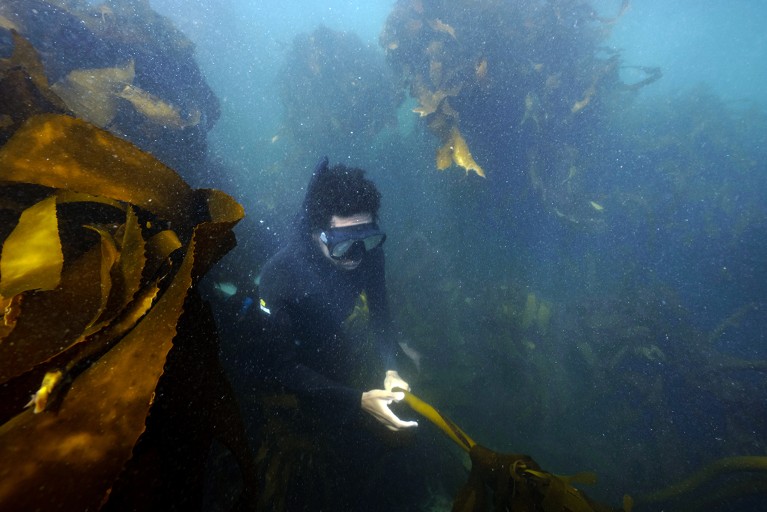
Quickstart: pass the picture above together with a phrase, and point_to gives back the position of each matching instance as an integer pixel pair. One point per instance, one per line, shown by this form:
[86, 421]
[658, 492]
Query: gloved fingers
[376, 403]
[393, 380]
[382, 394]
[394, 423]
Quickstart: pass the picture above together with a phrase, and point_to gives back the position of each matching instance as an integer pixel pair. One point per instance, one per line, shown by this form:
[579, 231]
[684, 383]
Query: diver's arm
[282, 366]
[379, 310]
[376, 401]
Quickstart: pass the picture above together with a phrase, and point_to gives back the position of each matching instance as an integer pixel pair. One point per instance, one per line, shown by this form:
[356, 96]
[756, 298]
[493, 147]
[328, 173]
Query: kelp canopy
[336, 91]
[124, 68]
[511, 89]
[102, 245]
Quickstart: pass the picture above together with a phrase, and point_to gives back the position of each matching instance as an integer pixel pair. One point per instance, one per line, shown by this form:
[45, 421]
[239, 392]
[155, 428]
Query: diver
[326, 280]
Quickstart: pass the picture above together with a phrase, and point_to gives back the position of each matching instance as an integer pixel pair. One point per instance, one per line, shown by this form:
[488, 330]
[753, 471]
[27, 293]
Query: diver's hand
[393, 380]
[376, 403]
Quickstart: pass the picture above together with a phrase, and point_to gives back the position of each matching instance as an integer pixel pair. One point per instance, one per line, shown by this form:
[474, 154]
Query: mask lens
[340, 249]
[351, 243]
[374, 241]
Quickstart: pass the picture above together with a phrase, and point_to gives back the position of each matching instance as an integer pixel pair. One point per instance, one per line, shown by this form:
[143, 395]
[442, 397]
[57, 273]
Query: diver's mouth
[349, 264]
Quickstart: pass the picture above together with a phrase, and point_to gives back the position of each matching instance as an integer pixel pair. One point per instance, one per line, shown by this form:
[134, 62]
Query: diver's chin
[349, 264]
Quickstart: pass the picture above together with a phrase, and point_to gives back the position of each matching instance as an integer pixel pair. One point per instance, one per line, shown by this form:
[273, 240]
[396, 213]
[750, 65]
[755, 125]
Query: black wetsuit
[305, 301]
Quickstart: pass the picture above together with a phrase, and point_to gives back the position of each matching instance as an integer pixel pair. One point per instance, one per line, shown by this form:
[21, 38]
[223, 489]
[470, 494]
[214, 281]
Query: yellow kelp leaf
[158, 248]
[71, 458]
[157, 110]
[582, 478]
[440, 26]
[446, 425]
[8, 24]
[132, 256]
[24, 87]
[560, 495]
[62, 152]
[121, 284]
[461, 154]
[31, 257]
[91, 93]
[224, 212]
[444, 157]
[109, 256]
[25, 56]
[83, 350]
[67, 196]
[52, 321]
[457, 149]
[584, 102]
[706, 474]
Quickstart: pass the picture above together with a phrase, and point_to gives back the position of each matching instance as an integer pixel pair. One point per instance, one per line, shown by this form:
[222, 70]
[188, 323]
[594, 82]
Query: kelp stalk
[444, 424]
[724, 465]
[516, 480]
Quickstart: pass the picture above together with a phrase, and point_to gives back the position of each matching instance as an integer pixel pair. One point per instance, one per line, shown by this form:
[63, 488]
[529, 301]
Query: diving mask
[352, 242]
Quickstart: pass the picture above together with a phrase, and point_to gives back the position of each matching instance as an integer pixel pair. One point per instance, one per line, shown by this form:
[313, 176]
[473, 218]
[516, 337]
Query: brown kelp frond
[517, 481]
[97, 224]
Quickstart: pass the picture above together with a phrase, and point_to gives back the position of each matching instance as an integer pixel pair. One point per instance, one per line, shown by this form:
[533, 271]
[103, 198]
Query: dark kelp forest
[579, 268]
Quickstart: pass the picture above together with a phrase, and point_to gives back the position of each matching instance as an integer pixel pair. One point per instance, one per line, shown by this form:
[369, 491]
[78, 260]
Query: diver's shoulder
[284, 265]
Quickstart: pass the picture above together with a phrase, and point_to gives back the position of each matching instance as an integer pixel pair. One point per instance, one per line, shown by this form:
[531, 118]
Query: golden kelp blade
[157, 110]
[31, 257]
[109, 256]
[48, 323]
[62, 152]
[457, 150]
[517, 481]
[25, 56]
[433, 415]
[132, 256]
[92, 93]
[71, 459]
[709, 472]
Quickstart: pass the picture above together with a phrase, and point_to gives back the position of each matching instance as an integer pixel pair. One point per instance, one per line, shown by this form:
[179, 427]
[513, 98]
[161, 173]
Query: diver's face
[337, 221]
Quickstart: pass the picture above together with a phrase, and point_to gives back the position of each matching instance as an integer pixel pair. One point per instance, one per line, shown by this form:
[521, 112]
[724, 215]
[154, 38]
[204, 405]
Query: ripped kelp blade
[92, 413]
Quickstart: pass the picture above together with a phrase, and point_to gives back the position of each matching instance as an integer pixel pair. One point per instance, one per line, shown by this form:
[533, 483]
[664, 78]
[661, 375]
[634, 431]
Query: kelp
[336, 92]
[24, 90]
[121, 66]
[92, 93]
[455, 150]
[517, 481]
[96, 270]
[31, 258]
[708, 473]
[525, 85]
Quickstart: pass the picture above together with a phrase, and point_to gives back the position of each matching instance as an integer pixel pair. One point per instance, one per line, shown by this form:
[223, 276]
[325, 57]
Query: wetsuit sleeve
[379, 310]
[283, 368]
[280, 364]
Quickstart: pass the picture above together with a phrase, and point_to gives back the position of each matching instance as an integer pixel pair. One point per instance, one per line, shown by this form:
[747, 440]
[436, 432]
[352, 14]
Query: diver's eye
[340, 249]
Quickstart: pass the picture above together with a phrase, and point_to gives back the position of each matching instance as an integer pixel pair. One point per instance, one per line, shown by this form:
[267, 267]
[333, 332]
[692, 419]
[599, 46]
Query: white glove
[376, 403]
[393, 380]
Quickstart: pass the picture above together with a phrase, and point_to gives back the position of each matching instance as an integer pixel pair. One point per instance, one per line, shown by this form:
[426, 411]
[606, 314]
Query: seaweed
[99, 237]
[523, 84]
[517, 482]
[336, 91]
